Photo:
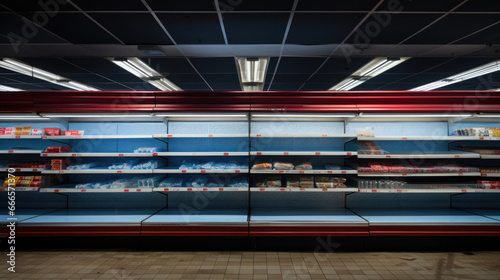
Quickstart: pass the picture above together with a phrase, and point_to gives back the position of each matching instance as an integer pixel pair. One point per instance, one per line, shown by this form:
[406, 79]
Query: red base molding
[193, 231]
[79, 231]
[308, 231]
[434, 230]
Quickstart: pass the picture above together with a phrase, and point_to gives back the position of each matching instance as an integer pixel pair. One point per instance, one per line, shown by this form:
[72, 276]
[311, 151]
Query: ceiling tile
[110, 5]
[214, 65]
[322, 5]
[193, 28]
[299, 64]
[263, 28]
[183, 5]
[321, 28]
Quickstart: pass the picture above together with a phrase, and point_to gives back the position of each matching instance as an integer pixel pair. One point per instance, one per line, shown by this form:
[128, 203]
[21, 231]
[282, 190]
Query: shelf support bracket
[165, 122]
[455, 120]
[62, 121]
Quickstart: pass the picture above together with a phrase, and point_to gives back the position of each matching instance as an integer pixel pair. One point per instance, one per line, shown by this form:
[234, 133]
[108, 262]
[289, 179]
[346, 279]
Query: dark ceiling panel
[85, 32]
[214, 65]
[86, 78]
[133, 29]
[184, 78]
[167, 65]
[480, 6]
[344, 65]
[33, 5]
[226, 86]
[321, 28]
[25, 32]
[322, 5]
[20, 77]
[110, 86]
[110, 5]
[299, 64]
[417, 65]
[122, 78]
[193, 86]
[141, 86]
[488, 36]
[193, 28]
[256, 5]
[221, 78]
[390, 28]
[420, 5]
[97, 65]
[265, 28]
[285, 87]
[183, 5]
[328, 78]
[458, 65]
[451, 28]
[290, 78]
[316, 86]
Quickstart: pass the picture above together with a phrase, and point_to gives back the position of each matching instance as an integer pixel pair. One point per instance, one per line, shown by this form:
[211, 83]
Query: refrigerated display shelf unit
[252, 211]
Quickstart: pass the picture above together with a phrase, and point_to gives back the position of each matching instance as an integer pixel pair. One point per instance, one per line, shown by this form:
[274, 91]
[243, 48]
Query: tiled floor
[252, 265]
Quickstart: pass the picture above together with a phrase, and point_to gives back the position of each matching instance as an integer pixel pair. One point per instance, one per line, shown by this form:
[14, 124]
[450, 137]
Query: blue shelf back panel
[297, 200]
[401, 128]
[477, 200]
[198, 201]
[117, 200]
[396, 200]
[34, 200]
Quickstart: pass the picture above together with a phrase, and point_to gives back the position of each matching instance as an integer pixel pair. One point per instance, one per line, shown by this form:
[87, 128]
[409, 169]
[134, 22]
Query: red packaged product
[60, 149]
[52, 131]
[71, 132]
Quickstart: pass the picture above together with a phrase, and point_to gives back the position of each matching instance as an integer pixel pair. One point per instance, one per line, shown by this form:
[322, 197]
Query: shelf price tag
[83, 191]
[329, 172]
[226, 154]
[2, 189]
[119, 171]
[73, 155]
[11, 152]
[44, 155]
[17, 136]
[203, 171]
[460, 174]
[155, 154]
[481, 138]
[210, 135]
[463, 190]
[302, 190]
[259, 153]
[126, 190]
[285, 153]
[166, 189]
[56, 190]
[399, 191]
[138, 190]
[262, 190]
[183, 171]
[221, 189]
[388, 156]
[301, 172]
[349, 153]
[237, 171]
[259, 135]
[120, 155]
[169, 135]
[318, 153]
[484, 175]
[457, 156]
[205, 189]
[404, 174]
[325, 190]
[189, 189]
[344, 172]
[34, 169]
[281, 171]
[44, 137]
[374, 190]
[405, 138]
[324, 135]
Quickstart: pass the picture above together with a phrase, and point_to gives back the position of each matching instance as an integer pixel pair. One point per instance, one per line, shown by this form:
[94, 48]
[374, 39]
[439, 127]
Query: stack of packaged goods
[59, 149]
[330, 182]
[211, 165]
[204, 181]
[478, 131]
[145, 150]
[32, 165]
[269, 182]
[283, 165]
[58, 164]
[31, 181]
[366, 132]
[300, 182]
[489, 184]
[128, 183]
[83, 166]
[369, 148]
[490, 170]
[135, 165]
[376, 167]
[482, 150]
[17, 131]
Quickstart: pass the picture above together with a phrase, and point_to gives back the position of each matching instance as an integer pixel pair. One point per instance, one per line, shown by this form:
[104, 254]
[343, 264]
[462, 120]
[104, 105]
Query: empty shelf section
[489, 213]
[19, 151]
[427, 222]
[201, 154]
[296, 153]
[192, 222]
[20, 189]
[304, 135]
[427, 138]
[20, 137]
[96, 137]
[200, 135]
[21, 214]
[86, 222]
[418, 155]
[306, 222]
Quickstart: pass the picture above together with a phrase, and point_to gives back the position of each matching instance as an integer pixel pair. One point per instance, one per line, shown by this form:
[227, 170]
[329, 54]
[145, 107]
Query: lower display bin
[20, 214]
[207, 222]
[488, 213]
[86, 222]
[306, 222]
[428, 222]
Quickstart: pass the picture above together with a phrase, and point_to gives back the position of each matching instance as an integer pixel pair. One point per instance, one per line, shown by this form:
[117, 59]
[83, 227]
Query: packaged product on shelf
[31, 181]
[307, 182]
[18, 130]
[2, 130]
[60, 149]
[26, 130]
[58, 164]
[365, 132]
[123, 165]
[478, 131]
[172, 182]
[387, 167]
[149, 182]
[150, 164]
[330, 182]
[283, 165]
[50, 131]
[73, 132]
[10, 131]
[145, 150]
[369, 148]
[269, 182]
[37, 132]
[197, 181]
[262, 166]
[489, 184]
[304, 165]
[83, 166]
[490, 170]
[292, 182]
[240, 182]
[482, 150]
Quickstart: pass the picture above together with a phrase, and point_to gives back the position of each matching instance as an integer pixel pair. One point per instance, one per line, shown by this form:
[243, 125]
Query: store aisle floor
[252, 265]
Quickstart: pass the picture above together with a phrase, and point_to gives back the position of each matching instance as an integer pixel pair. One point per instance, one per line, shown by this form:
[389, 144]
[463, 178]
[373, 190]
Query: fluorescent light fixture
[6, 88]
[76, 115]
[199, 115]
[28, 70]
[373, 68]
[304, 115]
[252, 72]
[414, 115]
[466, 75]
[143, 71]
